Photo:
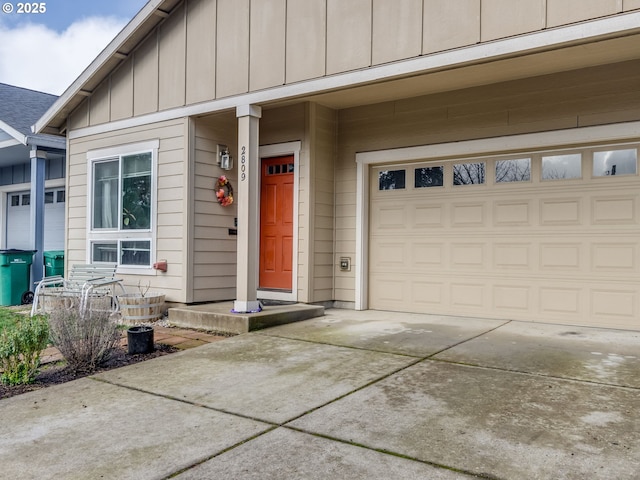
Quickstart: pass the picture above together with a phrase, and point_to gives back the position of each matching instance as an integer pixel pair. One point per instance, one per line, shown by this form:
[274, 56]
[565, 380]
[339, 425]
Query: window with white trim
[122, 197]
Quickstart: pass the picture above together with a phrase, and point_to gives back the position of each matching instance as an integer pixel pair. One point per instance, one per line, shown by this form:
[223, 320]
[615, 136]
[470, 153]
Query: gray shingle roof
[21, 107]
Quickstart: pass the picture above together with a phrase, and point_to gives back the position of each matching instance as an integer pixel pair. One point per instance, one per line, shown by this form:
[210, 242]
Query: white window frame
[118, 236]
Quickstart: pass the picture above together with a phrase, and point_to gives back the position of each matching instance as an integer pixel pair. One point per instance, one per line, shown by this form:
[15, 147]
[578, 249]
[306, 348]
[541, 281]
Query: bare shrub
[85, 338]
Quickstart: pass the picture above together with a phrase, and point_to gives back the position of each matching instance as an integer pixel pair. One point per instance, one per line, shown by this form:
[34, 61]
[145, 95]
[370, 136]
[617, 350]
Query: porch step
[218, 317]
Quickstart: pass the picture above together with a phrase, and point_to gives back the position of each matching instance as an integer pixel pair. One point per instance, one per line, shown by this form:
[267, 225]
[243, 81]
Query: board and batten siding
[214, 250]
[581, 98]
[170, 216]
[210, 49]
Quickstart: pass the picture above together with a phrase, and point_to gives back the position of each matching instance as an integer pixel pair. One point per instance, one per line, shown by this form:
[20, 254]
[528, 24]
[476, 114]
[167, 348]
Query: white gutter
[47, 141]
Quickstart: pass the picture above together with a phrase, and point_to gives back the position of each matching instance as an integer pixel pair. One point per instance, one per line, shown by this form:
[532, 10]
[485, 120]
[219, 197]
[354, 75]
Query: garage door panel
[614, 257]
[561, 211]
[513, 256]
[388, 254]
[510, 298]
[428, 216]
[614, 303]
[510, 213]
[468, 255]
[560, 300]
[428, 255]
[388, 291]
[389, 217]
[468, 295]
[468, 215]
[18, 220]
[560, 256]
[427, 294]
[560, 250]
[614, 210]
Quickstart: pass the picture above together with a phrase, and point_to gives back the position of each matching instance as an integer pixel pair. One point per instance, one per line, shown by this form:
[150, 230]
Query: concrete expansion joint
[462, 342]
[217, 454]
[394, 454]
[535, 375]
[193, 404]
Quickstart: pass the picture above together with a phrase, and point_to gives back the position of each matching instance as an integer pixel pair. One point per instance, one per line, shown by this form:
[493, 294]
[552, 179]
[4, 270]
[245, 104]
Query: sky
[47, 50]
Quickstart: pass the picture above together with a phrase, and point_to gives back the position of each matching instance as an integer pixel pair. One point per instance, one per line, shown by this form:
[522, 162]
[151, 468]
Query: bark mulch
[57, 372]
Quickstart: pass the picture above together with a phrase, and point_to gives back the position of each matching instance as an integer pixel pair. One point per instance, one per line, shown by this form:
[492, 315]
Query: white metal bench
[85, 284]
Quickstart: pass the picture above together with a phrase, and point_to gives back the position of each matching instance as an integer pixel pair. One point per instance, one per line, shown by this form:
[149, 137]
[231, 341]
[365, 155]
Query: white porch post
[248, 199]
[36, 234]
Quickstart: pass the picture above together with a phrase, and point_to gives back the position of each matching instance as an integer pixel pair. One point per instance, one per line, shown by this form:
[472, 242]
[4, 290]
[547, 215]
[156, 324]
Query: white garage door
[19, 219]
[546, 237]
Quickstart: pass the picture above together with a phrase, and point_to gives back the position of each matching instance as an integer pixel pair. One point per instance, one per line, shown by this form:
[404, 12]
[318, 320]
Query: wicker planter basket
[138, 309]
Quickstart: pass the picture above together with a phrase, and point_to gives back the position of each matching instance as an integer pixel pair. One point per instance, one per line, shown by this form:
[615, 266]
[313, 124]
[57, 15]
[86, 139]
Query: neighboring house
[32, 173]
[475, 158]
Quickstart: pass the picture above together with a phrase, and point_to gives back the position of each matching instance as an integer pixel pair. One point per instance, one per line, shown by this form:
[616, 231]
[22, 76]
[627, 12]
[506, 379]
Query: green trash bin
[15, 272]
[53, 263]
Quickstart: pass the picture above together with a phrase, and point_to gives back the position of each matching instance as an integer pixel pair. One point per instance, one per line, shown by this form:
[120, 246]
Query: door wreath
[224, 191]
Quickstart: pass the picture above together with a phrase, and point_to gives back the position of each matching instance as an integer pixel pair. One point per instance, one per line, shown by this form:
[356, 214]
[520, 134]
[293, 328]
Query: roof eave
[19, 137]
[47, 141]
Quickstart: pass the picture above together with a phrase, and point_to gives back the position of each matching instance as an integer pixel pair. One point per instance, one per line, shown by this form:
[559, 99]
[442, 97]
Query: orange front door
[276, 223]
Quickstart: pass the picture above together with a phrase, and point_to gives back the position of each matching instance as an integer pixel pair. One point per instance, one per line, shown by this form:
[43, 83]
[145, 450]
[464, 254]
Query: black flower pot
[140, 339]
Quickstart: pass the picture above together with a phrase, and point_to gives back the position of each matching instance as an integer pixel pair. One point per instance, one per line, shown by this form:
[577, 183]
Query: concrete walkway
[354, 395]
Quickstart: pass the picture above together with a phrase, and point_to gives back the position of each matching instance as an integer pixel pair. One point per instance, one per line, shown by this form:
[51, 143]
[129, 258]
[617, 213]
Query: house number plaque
[243, 163]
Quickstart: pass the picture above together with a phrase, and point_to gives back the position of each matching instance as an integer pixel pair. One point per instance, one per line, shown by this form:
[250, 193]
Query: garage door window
[615, 162]
[562, 167]
[391, 180]
[429, 177]
[518, 170]
[469, 173]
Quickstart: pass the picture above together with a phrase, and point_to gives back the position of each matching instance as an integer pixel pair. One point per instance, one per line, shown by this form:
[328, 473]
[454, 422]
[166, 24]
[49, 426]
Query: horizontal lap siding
[323, 211]
[593, 96]
[214, 260]
[170, 204]
[210, 49]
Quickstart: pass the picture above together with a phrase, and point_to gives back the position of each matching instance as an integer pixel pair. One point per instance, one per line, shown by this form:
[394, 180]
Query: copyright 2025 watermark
[24, 8]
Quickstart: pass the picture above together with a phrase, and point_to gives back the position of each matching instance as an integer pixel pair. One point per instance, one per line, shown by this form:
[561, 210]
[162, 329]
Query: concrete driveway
[355, 395]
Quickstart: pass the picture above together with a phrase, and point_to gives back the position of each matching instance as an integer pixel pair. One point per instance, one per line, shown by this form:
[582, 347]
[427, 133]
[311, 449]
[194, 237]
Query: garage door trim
[586, 137]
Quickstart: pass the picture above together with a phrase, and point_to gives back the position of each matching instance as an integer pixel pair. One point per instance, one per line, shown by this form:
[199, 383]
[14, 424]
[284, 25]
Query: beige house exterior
[473, 158]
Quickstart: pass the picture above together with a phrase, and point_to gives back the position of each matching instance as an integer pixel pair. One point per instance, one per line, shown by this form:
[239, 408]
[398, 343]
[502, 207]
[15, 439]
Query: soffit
[543, 63]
